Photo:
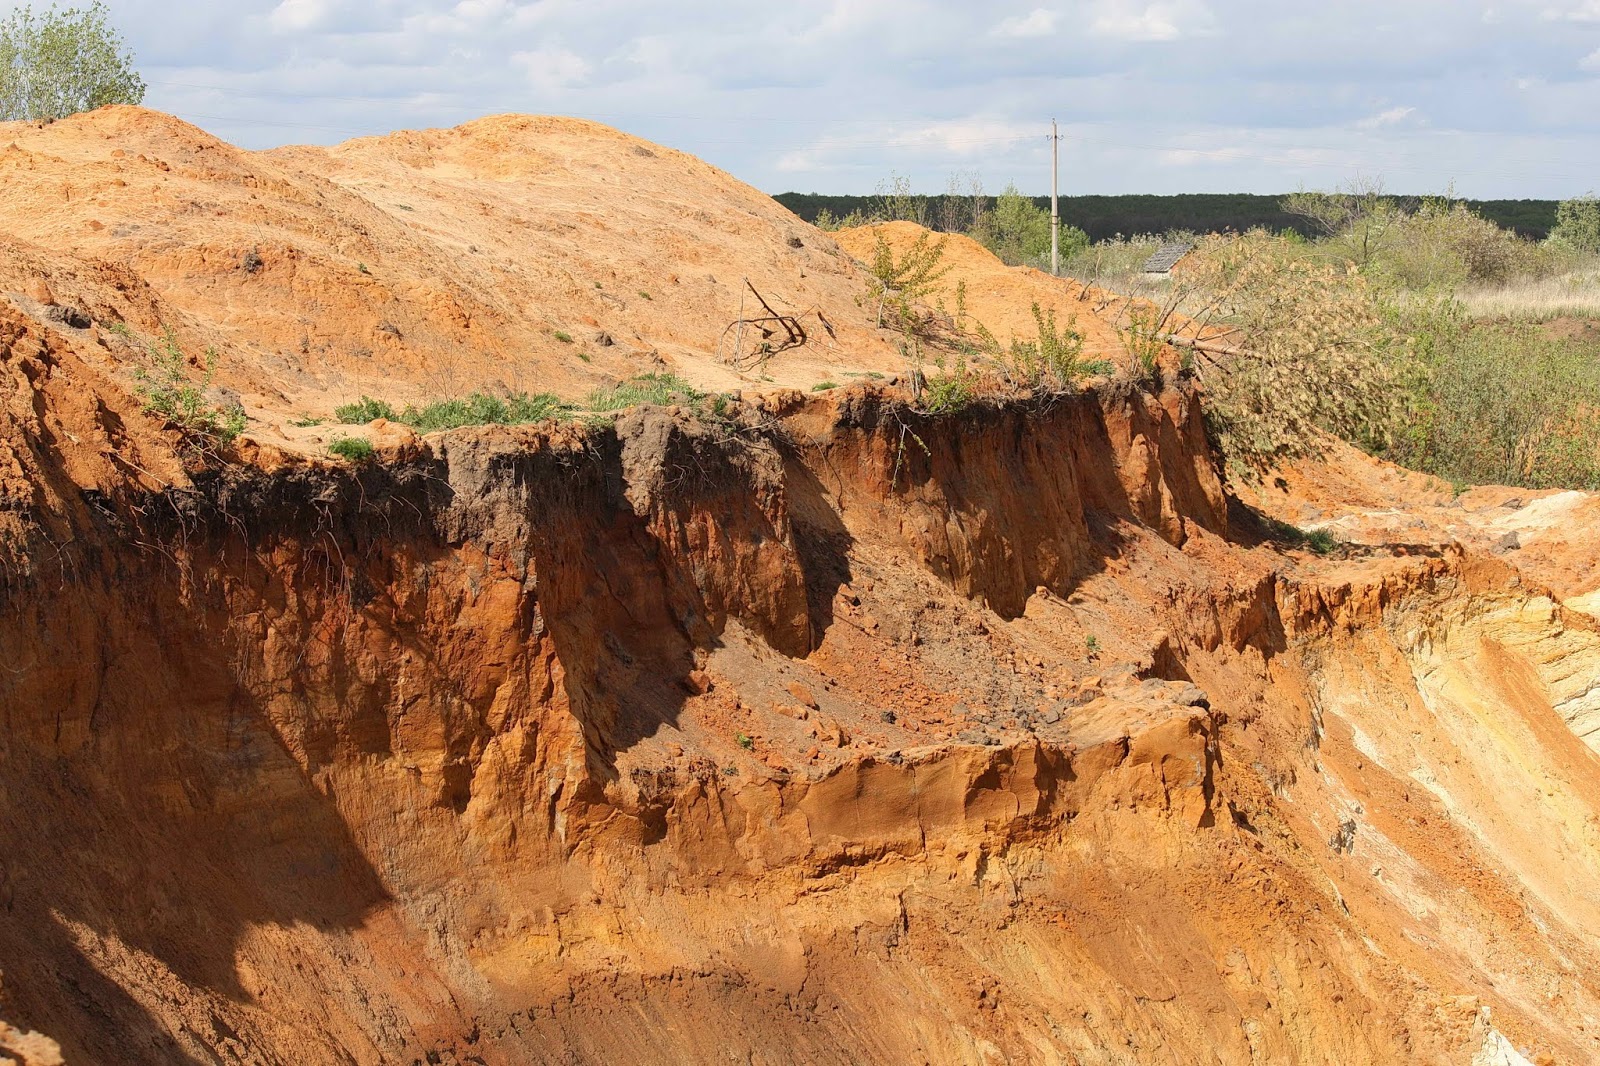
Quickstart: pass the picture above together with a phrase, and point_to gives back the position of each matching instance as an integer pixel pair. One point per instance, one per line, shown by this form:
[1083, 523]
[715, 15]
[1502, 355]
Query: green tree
[1355, 220]
[59, 62]
[1018, 231]
[1578, 224]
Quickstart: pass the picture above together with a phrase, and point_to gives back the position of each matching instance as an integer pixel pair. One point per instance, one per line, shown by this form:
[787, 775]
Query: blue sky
[1499, 99]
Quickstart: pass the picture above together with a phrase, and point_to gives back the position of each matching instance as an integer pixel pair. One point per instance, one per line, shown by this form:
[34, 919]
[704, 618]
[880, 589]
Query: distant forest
[1137, 214]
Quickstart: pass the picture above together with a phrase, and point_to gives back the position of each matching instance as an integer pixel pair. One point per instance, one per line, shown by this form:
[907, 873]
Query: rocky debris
[69, 316]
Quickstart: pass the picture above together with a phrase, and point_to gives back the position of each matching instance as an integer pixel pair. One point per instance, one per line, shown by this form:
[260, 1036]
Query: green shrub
[168, 394]
[363, 411]
[1307, 350]
[1142, 336]
[482, 408]
[658, 388]
[1053, 360]
[563, 336]
[824, 386]
[1578, 225]
[355, 449]
[1018, 231]
[1318, 540]
[952, 390]
[1499, 403]
[477, 409]
[1321, 541]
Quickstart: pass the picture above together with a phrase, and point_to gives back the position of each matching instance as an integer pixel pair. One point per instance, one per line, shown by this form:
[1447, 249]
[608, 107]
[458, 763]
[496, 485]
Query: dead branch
[793, 334]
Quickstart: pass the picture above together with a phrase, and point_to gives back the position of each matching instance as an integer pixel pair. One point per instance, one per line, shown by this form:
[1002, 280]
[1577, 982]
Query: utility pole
[1055, 207]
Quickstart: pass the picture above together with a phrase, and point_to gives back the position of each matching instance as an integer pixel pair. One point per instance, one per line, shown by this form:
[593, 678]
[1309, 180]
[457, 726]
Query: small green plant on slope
[363, 411]
[1142, 335]
[953, 389]
[482, 408]
[1054, 360]
[476, 409]
[824, 386]
[661, 389]
[167, 392]
[355, 449]
[899, 283]
[1317, 540]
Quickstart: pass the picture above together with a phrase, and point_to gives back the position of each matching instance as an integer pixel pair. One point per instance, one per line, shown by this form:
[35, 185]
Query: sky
[1489, 100]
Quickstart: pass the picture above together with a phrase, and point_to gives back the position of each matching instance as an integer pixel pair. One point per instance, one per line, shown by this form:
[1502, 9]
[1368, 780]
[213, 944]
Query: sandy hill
[820, 730]
[510, 253]
[423, 263]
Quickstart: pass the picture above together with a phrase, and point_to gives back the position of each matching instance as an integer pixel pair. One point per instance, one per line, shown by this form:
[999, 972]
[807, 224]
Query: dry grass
[1575, 294]
[1116, 265]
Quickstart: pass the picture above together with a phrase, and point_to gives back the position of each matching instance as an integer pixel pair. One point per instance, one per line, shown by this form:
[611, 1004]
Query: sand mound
[1002, 297]
[512, 252]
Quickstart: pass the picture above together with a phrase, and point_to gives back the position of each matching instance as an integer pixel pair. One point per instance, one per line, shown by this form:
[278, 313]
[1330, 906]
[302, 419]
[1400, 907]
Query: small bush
[1321, 541]
[363, 411]
[1503, 404]
[167, 392]
[355, 449]
[824, 386]
[899, 284]
[1578, 225]
[563, 336]
[1318, 540]
[477, 409]
[1142, 336]
[482, 408]
[1054, 359]
[661, 389]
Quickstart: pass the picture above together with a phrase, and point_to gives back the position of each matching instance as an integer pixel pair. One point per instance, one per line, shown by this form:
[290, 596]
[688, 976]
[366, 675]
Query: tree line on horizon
[1106, 217]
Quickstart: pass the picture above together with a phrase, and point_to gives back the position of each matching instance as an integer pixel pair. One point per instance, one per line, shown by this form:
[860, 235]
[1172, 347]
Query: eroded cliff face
[824, 732]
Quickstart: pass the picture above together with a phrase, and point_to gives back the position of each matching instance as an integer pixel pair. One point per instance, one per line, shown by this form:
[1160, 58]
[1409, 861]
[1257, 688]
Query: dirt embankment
[843, 731]
[815, 731]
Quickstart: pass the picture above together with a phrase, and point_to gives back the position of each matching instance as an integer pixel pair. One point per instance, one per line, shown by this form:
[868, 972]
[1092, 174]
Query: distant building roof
[1166, 257]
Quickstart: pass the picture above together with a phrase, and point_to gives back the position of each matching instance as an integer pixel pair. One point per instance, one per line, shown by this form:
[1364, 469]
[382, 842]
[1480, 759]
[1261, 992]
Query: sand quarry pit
[815, 729]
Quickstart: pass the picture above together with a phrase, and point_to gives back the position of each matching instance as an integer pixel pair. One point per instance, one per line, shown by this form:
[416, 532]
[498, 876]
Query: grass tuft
[477, 409]
[355, 449]
[655, 388]
[363, 411]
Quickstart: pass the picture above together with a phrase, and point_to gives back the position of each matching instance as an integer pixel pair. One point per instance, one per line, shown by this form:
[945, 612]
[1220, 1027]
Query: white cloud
[552, 69]
[1584, 11]
[1392, 117]
[1040, 22]
[292, 16]
[1591, 61]
[1125, 20]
